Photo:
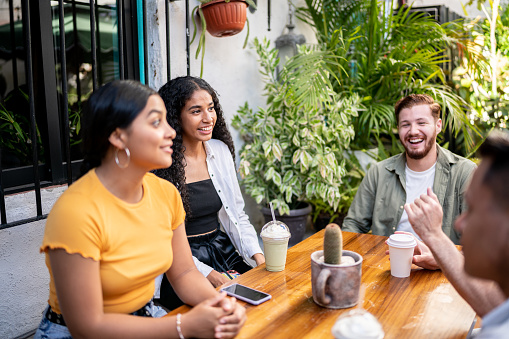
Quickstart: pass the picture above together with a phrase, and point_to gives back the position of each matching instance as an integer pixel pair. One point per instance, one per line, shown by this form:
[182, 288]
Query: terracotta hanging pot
[224, 18]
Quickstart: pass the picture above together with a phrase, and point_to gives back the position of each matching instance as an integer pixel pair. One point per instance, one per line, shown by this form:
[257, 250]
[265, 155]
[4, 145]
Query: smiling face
[198, 117]
[485, 230]
[418, 131]
[149, 137]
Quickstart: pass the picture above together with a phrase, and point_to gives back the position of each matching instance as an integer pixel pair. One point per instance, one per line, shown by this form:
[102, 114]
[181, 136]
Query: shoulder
[217, 145]
[456, 162]
[160, 186]
[218, 149]
[389, 164]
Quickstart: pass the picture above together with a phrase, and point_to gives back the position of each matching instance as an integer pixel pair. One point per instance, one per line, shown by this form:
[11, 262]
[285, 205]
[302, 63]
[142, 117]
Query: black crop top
[204, 203]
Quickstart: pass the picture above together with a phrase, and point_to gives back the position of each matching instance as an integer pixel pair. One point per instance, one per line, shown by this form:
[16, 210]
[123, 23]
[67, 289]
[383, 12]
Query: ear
[438, 125]
[117, 138]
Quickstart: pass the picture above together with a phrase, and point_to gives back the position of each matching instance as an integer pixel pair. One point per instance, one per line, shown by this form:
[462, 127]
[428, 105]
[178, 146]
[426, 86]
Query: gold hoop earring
[127, 153]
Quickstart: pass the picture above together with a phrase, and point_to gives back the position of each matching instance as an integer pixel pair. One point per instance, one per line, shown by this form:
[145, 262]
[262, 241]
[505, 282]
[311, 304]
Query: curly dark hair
[175, 94]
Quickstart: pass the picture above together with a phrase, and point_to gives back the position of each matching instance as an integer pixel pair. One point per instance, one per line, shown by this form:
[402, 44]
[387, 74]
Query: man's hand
[422, 255]
[425, 215]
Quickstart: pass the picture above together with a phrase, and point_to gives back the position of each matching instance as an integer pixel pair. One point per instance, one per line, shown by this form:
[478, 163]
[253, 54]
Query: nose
[413, 129]
[170, 132]
[207, 116]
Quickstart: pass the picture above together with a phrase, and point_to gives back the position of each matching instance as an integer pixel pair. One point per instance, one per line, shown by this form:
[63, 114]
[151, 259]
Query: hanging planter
[221, 18]
[224, 18]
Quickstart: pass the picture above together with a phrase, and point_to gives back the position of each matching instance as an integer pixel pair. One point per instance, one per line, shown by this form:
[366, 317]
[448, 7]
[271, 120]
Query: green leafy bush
[295, 147]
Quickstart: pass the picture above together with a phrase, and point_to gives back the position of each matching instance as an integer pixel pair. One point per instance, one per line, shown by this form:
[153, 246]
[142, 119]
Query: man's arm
[425, 216]
[360, 213]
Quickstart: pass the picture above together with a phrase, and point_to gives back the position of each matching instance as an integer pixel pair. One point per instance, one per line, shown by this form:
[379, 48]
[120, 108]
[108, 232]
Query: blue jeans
[50, 330]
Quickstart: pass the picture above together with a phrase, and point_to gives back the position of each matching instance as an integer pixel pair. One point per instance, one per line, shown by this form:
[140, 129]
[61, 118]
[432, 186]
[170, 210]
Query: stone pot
[224, 18]
[336, 286]
[296, 221]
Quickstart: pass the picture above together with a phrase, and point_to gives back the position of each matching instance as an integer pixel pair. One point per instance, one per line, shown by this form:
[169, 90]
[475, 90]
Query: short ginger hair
[416, 100]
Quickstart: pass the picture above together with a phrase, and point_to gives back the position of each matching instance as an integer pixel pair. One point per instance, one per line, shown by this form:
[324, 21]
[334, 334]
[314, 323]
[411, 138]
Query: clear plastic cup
[357, 324]
[401, 251]
[275, 236]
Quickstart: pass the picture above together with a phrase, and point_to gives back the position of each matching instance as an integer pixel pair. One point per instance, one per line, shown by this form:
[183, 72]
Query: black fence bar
[168, 56]
[64, 102]
[30, 82]
[98, 46]
[120, 16]
[75, 35]
[3, 214]
[13, 45]
[188, 33]
[93, 45]
[145, 46]
[22, 222]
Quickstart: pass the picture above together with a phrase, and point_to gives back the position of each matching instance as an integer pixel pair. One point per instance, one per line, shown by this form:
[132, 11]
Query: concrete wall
[23, 274]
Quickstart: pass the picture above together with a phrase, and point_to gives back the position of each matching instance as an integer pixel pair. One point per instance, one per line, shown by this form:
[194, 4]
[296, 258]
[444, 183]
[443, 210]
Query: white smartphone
[246, 294]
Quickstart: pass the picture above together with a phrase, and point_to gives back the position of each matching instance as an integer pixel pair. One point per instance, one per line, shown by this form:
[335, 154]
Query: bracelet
[179, 329]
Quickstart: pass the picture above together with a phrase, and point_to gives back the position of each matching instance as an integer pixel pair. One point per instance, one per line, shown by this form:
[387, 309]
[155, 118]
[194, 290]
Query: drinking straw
[272, 211]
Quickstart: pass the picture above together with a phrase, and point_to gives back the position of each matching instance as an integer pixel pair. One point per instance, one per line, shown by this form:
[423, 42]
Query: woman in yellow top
[118, 227]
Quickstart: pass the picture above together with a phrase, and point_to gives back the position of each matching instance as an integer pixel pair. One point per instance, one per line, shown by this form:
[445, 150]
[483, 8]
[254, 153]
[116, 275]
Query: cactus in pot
[332, 244]
[335, 273]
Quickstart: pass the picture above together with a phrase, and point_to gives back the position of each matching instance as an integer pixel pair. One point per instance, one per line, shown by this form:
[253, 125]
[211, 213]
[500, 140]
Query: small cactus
[332, 245]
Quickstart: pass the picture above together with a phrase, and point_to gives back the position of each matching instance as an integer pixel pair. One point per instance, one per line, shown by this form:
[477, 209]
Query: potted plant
[221, 18]
[335, 273]
[294, 148]
[324, 214]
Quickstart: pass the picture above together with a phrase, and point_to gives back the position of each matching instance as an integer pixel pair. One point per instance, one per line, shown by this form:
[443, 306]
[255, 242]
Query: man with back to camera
[481, 276]
[389, 184]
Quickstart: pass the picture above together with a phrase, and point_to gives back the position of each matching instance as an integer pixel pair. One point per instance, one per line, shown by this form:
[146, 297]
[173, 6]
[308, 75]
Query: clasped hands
[221, 313]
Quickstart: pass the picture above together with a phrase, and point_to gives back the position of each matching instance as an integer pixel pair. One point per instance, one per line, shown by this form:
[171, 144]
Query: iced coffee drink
[275, 235]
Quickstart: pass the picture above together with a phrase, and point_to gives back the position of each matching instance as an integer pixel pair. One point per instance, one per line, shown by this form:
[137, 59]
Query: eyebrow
[155, 111]
[198, 106]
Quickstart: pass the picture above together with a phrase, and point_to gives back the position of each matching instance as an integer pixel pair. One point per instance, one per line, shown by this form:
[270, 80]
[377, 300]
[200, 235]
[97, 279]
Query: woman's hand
[216, 278]
[231, 324]
[217, 317]
[259, 258]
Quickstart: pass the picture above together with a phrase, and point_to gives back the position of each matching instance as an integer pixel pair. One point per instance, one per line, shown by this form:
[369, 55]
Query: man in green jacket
[389, 184]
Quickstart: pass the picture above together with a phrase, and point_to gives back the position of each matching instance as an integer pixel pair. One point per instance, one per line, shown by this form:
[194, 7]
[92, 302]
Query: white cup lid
[401, 241]
[275, 230]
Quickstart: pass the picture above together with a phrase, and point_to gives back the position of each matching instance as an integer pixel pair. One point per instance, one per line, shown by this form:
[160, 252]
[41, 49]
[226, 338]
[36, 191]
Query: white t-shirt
[416, 184]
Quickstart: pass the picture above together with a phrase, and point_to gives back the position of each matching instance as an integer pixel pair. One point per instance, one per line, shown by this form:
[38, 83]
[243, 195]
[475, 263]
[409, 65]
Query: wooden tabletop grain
[424, 305]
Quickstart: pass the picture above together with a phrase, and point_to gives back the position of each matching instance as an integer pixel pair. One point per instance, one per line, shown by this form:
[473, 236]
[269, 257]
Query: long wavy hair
[114, 105]
[175, 95]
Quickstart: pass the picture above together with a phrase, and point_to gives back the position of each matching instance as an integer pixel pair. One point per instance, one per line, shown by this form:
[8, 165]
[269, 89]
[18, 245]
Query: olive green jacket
[378, 204]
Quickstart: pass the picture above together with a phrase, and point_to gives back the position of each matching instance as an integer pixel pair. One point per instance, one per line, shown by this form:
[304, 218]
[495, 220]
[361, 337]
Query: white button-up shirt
[233, 219]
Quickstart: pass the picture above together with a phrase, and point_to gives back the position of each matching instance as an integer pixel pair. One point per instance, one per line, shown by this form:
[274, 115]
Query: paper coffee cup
[401, 251]
[275, 235]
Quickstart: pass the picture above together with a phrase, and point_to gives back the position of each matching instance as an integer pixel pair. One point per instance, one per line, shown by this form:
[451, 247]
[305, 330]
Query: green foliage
[391, 53]
[15, 138]
[294, 148]
[474, 78]
[332, 245]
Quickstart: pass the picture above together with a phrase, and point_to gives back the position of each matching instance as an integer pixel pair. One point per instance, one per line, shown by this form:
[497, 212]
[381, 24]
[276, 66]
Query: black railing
[57, 168]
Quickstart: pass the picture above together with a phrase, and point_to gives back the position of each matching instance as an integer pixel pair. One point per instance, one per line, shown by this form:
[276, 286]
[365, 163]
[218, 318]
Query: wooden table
[424, 305]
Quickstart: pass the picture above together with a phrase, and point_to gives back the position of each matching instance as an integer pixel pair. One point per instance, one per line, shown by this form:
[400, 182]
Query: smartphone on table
[246, 294]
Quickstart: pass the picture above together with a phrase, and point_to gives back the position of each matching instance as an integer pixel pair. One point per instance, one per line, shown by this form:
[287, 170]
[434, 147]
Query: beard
[419, 154]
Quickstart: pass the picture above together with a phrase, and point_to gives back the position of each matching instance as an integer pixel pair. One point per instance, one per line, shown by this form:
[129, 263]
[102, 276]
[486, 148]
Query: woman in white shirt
[222, 239]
